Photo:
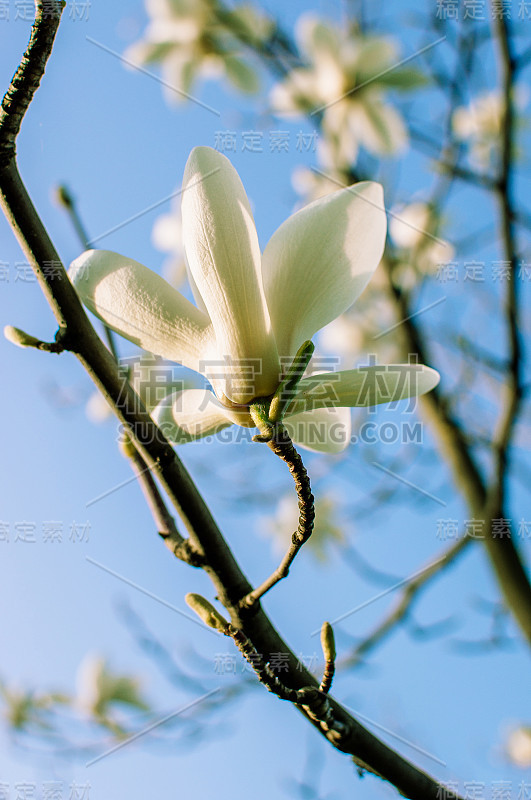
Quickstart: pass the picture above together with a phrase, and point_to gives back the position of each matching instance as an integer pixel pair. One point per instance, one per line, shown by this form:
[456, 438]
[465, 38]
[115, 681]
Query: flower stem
[280, 443]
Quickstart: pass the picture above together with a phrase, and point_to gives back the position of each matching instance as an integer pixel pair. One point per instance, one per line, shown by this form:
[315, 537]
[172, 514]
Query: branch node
[185, 551]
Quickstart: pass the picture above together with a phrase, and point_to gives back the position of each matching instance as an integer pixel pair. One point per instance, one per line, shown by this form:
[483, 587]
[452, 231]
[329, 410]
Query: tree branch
[502, 549]
[402, 608]
[28, 76]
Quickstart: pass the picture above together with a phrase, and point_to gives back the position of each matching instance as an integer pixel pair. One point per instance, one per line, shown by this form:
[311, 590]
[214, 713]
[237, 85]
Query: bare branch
[67, 201]
[408, 598]
[28, 76]
[502, 550]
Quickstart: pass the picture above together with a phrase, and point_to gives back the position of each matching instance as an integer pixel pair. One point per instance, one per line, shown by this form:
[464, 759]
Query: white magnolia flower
[346, 78]
[480, 124]
[253, 312]
[192, 39]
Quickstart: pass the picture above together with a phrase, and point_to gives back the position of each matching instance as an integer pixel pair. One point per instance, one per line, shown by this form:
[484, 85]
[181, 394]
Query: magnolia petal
[341, 144]
[320, 260]
[196, 294]
[241, 74]
[147, 52]
[141, 306]
[222, 249]
[365, 386]
[404, 79]
[374, 55]
[192, 414]
[324, 430]
[316, 38]
[379, 127]
[295, 95]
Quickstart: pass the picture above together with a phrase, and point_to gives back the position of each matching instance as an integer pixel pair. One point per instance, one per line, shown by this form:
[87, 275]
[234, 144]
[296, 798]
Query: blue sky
[108, 133]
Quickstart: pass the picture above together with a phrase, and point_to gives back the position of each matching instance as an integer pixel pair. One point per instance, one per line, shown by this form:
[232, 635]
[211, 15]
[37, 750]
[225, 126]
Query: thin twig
[501, 548]
[479, 355]
[409, 595]
[283, 447]
[504, 194]
[166, 526]
[66, 199]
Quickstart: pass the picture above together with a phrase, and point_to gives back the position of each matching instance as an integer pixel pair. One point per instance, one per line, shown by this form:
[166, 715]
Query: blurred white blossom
[356, 335]
[480, 124]
[311, 185]
[195, 39]
[346, 79]
[251, 21]
[414, 228]
[99, 689]
[282, 524]
[167, 237]
[97, 408]
[518, 747]
[343, 338]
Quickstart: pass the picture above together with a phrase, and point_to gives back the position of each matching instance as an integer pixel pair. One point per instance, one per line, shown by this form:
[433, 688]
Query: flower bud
[63, 197]
[328, 642]
[206, 612]
[20, 338]
[126, 447]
